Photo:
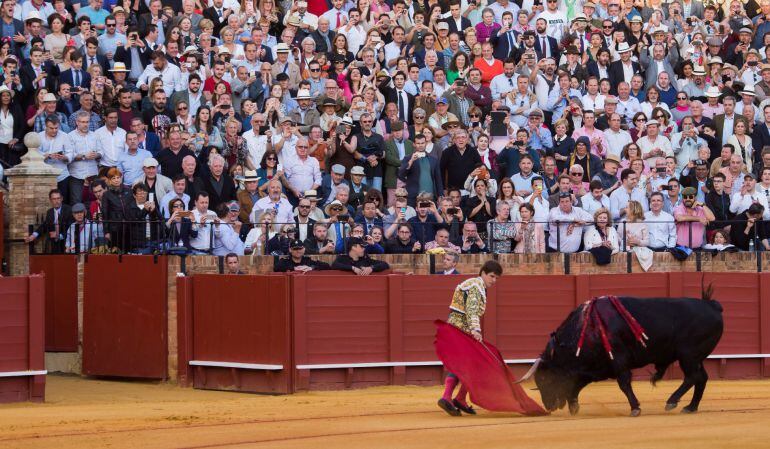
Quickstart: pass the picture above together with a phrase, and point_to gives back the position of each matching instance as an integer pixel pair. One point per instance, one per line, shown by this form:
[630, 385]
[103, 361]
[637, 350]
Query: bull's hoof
[636, 412]
[689, 409]
[671, 405]
[574, 408]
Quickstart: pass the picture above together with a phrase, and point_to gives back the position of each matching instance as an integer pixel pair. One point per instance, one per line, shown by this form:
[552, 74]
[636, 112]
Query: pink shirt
[595, 134]
[683, 227]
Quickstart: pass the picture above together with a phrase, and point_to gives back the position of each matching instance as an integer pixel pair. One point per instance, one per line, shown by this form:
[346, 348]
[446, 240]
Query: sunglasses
[576, 174]
[336, 208]
[660, 116]
[688, 196]
[419, 116]
[304, 207]
[474, 115]
[315, 70]
[607, 27]
[182, 108]
[271, 159]
[109, 25]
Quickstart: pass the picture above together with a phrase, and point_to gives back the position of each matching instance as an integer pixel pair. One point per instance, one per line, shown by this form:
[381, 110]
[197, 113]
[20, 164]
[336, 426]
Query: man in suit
[601, 67]
[624, 69]
[218, 14]
[404, 100]
[456, 21]
[55, 224]
[449, 261]
[650, 65]
[38, 73]
[368, 217]
[303, 220]
[327, 190]
[358, 187]
[504, 41]
[414, 166]
[10, 23]
[696, 8]
[545, 45]
[323, 36]
[75, 76]
[91, 55]
[396, 149]
[134, 47]
[218, 184]
[155, 17]
[725, 123]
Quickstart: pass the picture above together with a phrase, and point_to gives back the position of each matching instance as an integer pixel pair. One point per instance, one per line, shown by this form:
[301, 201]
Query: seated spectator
[144, 221]
[748, 227]
[566, 225]
[530, 237]
[470, 241]
[748, 195]
[449, 263]
[400, 204]
[55, 224]
[356, 260]
[298, 261]
[278, 245]
[248, 196]
[263, 230]
[233, 264]
[636, 232]
[318, 243]
[629, 190]
[202, 238]
[369, 218]
[661, 229]
[577, 185]
[427, 218]
[82, 234]
[720, 241]
[501, 230]
[403, 242]
[481, 172]
[601, 235]
[480, 207]
[227, 230]
[595, 199]
[274, 200]
[691, 220]
[441, 242]
[179, 227]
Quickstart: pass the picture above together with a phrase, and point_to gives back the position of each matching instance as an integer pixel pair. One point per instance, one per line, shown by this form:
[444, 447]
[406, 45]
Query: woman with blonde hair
[263, 230]
[601, 234]
[635, 229]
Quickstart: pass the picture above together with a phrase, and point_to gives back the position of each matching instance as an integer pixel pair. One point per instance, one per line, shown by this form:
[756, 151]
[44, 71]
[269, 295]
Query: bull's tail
[707, 294]
[660, 371]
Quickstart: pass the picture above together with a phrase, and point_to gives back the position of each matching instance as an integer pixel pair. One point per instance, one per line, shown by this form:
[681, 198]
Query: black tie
[401, 106]
[544, 52]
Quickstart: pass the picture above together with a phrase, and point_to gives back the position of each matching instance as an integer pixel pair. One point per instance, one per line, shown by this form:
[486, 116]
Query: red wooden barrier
[22, 362]
[237, 333]
[124, 317]
[61, 300]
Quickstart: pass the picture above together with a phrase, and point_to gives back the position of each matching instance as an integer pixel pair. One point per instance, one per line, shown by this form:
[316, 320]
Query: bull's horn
[530, 372]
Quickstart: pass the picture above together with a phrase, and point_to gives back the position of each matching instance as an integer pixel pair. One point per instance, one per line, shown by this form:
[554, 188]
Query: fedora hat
[119, 67]
[698, 70]
[623, 47]
[250, 175]
[713, 92]
[335, 203]
[446, 125]
[4, 89]
[612, 158]
[304, 94]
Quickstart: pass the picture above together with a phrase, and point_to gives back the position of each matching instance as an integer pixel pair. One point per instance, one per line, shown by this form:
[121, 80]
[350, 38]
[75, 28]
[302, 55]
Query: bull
[685, 330]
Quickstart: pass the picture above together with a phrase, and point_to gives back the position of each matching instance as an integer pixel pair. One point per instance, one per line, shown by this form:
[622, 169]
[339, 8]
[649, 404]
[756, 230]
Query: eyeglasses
[315, 70]
[182, 108]
[336, 208]
[301, 146]
[271, 159]
[419, 116]
[109, 24]
[607, 27]
[304, 207]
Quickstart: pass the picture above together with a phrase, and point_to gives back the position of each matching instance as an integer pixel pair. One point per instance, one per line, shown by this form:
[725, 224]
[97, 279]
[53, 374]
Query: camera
[665, 187]
[660, 169]
[451, 210]
[343, 217]
[424, 204]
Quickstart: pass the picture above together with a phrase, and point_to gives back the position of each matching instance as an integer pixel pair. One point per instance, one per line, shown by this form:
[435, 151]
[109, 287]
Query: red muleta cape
[483, 371]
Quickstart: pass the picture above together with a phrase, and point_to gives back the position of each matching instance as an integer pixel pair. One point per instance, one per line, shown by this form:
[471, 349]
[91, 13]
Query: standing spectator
[202, 238]
[158, 185]
[226, 230]
[170, 158]
[566, 225]
[595, 199]
[661, 229]
[111, 139]
[55, 224]
[144, 222]
[85, 155]
[420, 173]
[628, 191]
[458, 161]
[56, 148]
[131, 161]
[530, 237]
[691, 220]
[302, 173]
[371, 147]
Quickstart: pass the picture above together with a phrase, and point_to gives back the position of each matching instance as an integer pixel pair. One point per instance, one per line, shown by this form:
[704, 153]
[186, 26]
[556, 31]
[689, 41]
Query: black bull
[685, 330]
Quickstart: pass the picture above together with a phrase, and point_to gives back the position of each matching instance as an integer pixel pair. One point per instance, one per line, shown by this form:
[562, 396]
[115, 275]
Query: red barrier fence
[349, 331]
[61, 300]
[125, 316]
[22, 361]
[234, 333]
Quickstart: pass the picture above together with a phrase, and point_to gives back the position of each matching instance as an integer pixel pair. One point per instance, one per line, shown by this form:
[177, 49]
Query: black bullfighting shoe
[448, 407]
[467, 409]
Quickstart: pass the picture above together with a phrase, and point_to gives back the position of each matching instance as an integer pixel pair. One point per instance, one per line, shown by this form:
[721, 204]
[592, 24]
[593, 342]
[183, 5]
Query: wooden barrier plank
[61, 300]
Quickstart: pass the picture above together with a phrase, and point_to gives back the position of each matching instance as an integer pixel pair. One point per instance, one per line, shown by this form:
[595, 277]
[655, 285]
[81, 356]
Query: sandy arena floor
[109, 414]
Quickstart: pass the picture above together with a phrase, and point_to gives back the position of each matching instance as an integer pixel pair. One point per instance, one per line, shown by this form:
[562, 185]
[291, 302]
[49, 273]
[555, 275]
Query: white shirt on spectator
[356, 36]
[226, 240]
[257, 146]
[81, 145]
[303, 175]
[112, 143]
[171, 76]
[591, 204]
[619, 199]
[616, 141]
[283, 208]
[646, 145]
[60, 144]
[739, 203]
[501, 85]
[570, 242]
[203, 241]
[661, 229]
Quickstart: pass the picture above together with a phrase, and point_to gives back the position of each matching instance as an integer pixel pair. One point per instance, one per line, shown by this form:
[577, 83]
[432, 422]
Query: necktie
[401, 106]
[582, 44]
[510, 81]
[92, 60]
[545, 52]
[510, 40]
[219, 12]
[339, 19]
[416, 87]
[77, 78]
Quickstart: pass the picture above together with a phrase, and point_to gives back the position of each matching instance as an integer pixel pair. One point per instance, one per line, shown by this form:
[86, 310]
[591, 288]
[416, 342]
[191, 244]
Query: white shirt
[60, 144]
[171, 76]
[661, 235]
[619, 199]
[617, 140]
[500, 9]
[288, 153]
[82, 144]
[739, 203]
[203, 241]
[111, 143]
[593, 103]
[284, 209]
[303, 175]
[556, 22]
[591, 204]
[628, 71]
[356, 36]
[646, 145]
[331, 16]
[257, 146]
[628, 108]
[6, 127]
[569, 242]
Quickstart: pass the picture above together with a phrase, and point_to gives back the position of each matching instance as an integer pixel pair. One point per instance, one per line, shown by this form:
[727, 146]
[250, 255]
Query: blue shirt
[542, 142]
[131, 165]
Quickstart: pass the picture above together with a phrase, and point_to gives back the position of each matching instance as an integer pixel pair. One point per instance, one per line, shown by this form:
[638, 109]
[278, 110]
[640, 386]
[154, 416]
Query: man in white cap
[697, 86]
[748, 95]
[305, 116]
[131, 161]
[750, 73]
[159, 185]
[623, 69]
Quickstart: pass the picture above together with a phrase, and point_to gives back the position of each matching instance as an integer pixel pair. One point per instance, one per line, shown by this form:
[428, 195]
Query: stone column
[29, 184]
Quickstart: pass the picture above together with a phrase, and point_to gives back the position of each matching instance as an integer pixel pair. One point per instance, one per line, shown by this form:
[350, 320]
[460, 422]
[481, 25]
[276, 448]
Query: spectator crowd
[393, 126]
